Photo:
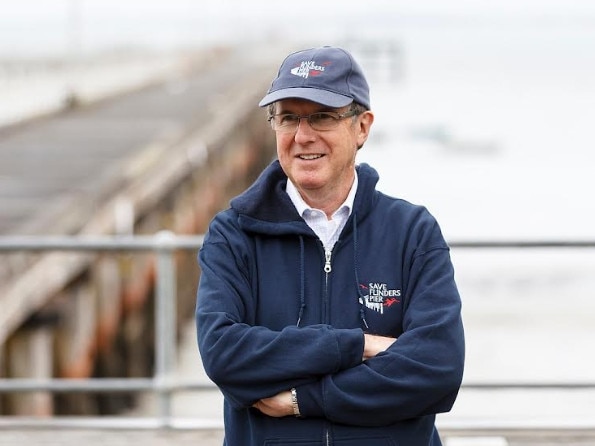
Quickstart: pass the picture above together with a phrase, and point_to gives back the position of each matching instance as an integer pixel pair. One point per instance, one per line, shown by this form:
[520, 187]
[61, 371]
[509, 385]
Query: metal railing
[164, 244]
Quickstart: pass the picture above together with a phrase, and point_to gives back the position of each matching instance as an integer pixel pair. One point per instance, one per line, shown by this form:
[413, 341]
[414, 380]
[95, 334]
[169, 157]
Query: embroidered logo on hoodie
[379, 296]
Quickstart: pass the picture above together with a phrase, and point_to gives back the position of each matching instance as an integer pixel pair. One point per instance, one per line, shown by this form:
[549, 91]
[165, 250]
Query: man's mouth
[310, 157]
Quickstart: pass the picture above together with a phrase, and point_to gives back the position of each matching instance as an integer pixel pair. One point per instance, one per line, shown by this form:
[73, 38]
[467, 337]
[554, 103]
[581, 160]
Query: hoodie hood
[266, 208]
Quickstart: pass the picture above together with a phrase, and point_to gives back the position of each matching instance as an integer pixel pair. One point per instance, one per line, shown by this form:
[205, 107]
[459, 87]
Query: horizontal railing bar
[517, 424]
[170, 241]
[528, 385]
[13, 385]
[445, 425]
[160, 241]
[522, 244]
[110, 422]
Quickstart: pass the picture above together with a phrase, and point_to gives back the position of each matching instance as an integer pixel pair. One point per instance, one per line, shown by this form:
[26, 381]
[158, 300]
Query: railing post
[165, 320]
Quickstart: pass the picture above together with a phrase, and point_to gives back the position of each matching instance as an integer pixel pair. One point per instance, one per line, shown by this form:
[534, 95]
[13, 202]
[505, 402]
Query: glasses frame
[337, 117]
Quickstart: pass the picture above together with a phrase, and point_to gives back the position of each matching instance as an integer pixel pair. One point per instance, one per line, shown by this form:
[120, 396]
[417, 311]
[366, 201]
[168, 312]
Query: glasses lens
[323, 120]
[285, 122]
[318, 121]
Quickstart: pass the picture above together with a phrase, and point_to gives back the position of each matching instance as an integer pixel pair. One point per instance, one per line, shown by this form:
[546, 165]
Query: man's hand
[276, 406]
[374, 344]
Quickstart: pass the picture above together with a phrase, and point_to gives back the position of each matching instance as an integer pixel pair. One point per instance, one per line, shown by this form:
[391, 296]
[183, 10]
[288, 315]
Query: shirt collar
[301, 206]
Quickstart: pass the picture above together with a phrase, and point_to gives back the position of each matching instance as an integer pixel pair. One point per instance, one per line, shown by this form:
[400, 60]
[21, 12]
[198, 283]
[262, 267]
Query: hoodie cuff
[309, 399]
[351, 347]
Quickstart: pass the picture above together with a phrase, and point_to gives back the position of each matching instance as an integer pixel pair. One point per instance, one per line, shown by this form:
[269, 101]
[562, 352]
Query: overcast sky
[36, 10]
[34, 26]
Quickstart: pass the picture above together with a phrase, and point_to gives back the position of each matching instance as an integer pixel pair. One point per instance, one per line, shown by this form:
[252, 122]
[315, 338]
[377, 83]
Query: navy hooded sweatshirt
[269, 318]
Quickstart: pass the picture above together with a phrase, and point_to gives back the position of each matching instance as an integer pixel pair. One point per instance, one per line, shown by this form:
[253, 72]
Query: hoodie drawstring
[361, 298]
[302, 281]
[362, 313]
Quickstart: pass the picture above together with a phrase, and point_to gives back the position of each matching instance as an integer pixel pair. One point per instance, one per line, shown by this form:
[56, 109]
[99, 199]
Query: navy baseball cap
[326, 75]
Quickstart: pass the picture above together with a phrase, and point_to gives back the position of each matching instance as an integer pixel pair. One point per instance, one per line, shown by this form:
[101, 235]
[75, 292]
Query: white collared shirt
[328, 231]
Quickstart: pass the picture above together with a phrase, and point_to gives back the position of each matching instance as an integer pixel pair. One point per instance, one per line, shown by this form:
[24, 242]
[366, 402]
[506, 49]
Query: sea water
[492, 130]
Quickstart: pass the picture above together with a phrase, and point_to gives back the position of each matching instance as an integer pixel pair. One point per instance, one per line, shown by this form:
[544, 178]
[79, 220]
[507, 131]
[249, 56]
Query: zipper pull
[327, 260]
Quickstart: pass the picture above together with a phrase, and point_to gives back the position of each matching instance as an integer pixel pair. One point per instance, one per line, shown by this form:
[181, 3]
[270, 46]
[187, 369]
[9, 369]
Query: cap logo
[309, 68]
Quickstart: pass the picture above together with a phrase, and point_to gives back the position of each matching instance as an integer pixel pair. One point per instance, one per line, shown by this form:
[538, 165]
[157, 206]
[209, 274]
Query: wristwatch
[294, 403]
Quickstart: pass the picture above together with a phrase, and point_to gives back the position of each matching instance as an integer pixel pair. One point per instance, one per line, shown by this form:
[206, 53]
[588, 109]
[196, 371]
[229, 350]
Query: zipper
[327, 270]
[327, 261]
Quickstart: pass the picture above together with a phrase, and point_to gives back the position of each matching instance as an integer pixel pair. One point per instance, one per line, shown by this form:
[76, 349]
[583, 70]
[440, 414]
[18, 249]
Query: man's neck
[328, 202]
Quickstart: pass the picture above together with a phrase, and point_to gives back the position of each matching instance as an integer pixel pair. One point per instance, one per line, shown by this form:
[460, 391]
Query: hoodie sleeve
[420, 373]
[250, 362]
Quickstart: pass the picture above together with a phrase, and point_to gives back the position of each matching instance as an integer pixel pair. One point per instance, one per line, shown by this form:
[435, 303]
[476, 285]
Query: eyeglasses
[319, 121]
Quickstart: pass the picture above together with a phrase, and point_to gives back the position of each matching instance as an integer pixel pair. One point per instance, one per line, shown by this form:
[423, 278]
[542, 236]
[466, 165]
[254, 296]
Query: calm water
[492, 131]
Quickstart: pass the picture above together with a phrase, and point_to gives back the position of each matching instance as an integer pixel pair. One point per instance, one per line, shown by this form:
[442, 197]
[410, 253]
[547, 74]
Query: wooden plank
[76, 333]
[30, 353]
[30, 291]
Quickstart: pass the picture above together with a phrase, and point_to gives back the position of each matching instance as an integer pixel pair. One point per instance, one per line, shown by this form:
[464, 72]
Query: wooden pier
[162, 156]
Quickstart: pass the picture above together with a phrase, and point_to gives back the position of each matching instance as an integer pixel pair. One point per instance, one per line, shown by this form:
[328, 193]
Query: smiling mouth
[310, 157]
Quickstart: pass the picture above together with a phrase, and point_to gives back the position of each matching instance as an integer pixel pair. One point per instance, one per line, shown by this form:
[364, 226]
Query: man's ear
[365, 121]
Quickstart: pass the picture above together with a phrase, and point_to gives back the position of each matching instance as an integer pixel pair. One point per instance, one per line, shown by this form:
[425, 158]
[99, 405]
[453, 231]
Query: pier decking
[164, 155]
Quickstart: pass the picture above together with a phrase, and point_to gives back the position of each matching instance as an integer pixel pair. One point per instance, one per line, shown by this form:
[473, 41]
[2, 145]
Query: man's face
[320, 163]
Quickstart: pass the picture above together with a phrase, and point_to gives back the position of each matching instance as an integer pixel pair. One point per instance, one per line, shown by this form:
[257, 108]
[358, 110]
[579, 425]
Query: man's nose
[304, 129]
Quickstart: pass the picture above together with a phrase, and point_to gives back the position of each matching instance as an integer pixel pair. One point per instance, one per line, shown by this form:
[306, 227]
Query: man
[327, 312]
